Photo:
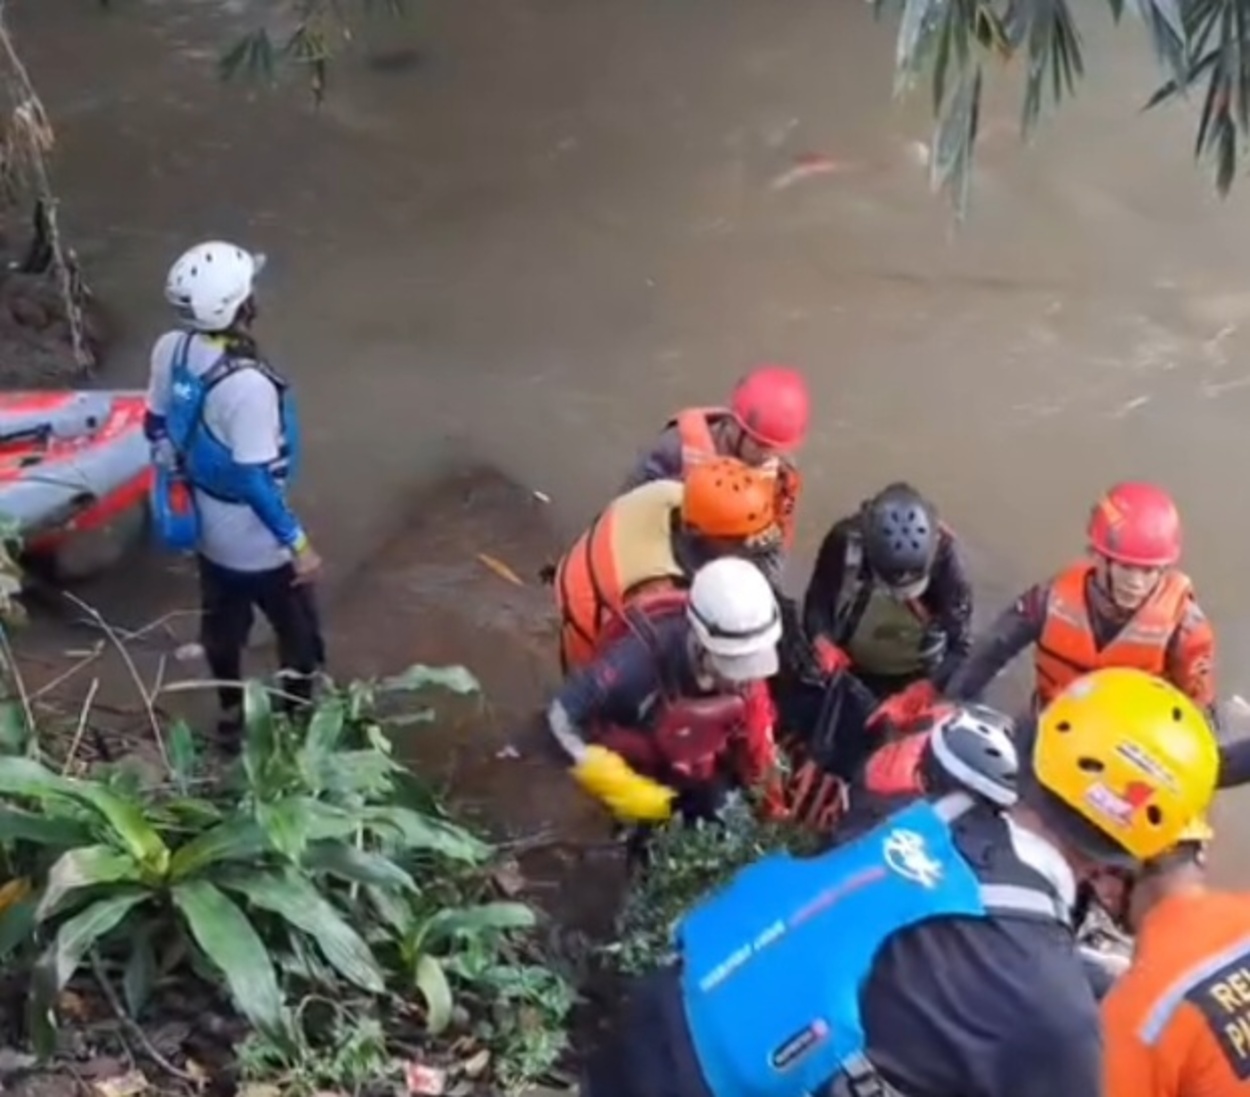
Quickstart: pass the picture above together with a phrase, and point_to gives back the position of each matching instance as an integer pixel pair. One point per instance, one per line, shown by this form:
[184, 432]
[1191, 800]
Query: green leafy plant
[306, 873]
[686, 862]
[955, 45]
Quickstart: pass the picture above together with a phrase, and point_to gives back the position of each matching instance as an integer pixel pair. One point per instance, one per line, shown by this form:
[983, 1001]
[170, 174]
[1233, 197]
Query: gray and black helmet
[972, 749]
[900, 532]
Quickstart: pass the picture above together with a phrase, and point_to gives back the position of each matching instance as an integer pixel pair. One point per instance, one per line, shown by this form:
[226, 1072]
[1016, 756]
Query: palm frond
[958, 41]
[1217, 51]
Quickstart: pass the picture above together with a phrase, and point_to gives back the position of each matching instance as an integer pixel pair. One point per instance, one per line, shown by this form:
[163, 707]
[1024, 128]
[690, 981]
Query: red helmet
[772, 405]
[1136, 524]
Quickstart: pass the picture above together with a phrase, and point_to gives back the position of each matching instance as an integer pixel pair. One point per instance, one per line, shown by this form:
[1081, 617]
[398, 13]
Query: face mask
[1128, 586]
[909, 591]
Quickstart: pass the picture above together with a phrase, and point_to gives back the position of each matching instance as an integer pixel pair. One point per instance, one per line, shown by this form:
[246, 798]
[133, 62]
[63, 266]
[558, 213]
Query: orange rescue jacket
[694, 428]
[626, 553]
[1066, 649]
[1177, 1023]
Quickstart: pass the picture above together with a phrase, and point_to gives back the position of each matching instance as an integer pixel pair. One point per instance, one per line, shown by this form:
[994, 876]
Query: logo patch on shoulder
[907, 855]
[799, 1045]
[1223, 999]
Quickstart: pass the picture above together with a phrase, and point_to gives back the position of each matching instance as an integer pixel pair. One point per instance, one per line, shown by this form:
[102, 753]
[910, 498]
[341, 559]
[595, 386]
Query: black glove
[700, 800]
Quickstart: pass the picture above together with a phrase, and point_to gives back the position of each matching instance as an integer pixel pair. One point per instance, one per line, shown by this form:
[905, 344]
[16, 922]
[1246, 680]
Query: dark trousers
[228, 601]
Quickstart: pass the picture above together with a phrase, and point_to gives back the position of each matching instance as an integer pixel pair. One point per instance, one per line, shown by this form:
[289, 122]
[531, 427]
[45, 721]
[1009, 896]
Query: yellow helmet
[1197, 830]
[1132, 757]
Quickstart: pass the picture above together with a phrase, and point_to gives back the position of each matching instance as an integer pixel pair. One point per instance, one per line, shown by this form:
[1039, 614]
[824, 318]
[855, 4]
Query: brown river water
[570, 217]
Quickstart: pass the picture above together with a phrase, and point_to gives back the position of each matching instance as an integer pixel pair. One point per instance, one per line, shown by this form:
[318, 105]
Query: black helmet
[900, 532]
[972, 749]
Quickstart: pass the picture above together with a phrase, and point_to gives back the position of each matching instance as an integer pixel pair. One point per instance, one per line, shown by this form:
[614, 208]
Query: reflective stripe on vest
[1161, 1013]
[1067, 647]
[802, 935]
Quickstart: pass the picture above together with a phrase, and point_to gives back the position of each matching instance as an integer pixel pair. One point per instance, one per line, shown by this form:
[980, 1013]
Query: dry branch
[26, 143]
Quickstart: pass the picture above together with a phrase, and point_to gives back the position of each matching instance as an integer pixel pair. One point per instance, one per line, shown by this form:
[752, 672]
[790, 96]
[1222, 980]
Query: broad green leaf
[17, 925]
[287, 823]
[24, 826]
[182, 753]
[24, 777]
[231, 942]
[62, 958]
[292, 897]
[417, 831]
[359, 866]
[325, 729]
[88, 866]
[193, 811]
[140, 974]
[391, 908]
[376, 738]
[367, 772]
[260, 732]
[128, 826]
[14, 728]
[328, 821]
[455, 679]
[486, 919]
[431, 981]
[237, 839]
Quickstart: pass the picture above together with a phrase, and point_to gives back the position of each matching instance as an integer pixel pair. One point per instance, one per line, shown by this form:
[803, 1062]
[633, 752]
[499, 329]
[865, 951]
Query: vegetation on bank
[684, 863]
[309, 912]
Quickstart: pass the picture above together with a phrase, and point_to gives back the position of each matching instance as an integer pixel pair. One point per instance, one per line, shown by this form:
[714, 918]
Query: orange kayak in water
[70, 462]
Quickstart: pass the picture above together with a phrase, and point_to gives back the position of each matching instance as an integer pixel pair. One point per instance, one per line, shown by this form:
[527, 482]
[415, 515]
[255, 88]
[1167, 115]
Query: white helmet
[734, 614]
[208, 284]
[972, 749]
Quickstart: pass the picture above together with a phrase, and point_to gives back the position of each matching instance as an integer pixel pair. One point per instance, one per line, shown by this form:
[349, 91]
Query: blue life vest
[774, 964]
[203, 459]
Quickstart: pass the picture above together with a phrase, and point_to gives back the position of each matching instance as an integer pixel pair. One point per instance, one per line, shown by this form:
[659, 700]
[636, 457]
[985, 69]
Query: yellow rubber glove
[629, 795]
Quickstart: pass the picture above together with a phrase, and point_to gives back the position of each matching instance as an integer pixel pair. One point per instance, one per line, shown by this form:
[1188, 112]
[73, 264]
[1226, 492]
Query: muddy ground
[460, 584]
[455, 582]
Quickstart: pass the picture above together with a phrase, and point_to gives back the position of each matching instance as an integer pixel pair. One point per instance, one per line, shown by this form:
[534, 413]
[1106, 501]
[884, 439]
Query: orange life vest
[1067, 650]
[694, 428]
[627, 553]
[1177, 1022]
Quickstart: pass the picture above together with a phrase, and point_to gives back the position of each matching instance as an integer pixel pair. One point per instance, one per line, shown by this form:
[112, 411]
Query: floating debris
[501, 569]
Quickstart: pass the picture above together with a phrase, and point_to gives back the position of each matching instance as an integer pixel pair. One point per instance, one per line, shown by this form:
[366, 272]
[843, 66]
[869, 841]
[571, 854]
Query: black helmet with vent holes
[900, 531]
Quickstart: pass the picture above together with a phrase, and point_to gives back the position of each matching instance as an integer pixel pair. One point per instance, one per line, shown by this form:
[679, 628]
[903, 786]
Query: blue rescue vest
[203, 459]
[774, 964]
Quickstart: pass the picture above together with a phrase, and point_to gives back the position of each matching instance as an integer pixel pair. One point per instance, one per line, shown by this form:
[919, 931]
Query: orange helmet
[725, 497]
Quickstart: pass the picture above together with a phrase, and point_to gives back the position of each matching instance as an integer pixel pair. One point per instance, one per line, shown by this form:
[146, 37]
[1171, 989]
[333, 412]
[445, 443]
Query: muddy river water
[569, 217]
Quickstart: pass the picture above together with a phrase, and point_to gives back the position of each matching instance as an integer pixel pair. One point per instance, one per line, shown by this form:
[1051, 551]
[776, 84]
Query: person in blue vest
[933, 954]
[225, 441]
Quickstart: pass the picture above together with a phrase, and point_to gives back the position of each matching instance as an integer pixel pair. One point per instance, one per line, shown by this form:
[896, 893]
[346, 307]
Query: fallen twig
[132, 1026]
[29, 127]
[82, 724]
[199, 685]
[10, 657]
[65, 676]
[133, 670]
